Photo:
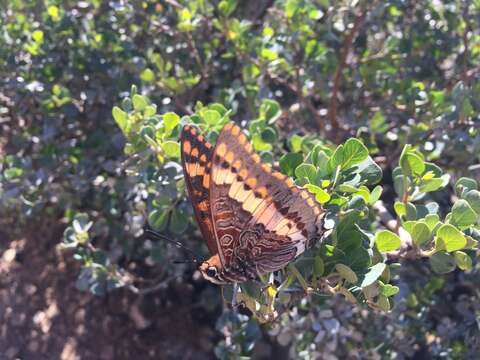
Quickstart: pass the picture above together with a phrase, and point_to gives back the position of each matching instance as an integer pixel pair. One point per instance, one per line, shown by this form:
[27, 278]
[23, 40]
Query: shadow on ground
[43, 315]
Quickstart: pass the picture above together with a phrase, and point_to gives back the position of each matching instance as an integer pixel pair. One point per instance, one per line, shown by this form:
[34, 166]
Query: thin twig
[466, 50]
[304, 100]
[151, 289]
[347, 45]
[195, 53]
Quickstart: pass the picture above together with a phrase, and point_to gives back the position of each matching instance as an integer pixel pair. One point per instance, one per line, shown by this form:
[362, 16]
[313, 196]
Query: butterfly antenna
[178, 244]
[185, 261]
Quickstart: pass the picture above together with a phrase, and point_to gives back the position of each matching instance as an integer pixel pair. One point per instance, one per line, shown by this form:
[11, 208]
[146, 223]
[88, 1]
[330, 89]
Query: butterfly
[255, 220]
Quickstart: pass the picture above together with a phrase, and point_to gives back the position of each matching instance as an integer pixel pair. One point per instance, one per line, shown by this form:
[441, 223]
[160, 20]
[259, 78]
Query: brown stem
[347, 45]
[466, 54]
[304, 100]
[466, 51]
[195, 53]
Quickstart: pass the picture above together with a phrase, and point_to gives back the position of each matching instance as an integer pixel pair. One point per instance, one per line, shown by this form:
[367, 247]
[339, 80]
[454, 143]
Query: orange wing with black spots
[196, 161]
[261, 219]
[255, 220]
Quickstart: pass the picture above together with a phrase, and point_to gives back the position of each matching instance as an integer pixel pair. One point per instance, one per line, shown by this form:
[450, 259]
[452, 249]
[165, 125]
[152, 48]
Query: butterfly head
[212, 269]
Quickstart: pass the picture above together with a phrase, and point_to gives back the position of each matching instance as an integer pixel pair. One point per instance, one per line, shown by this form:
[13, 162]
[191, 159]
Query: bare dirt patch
[43, 315]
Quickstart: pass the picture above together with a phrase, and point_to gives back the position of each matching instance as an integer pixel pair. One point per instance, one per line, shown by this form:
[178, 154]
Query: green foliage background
[373, 106]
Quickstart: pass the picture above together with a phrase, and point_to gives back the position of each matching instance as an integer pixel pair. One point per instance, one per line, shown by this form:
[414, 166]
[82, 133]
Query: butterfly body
[255, 220]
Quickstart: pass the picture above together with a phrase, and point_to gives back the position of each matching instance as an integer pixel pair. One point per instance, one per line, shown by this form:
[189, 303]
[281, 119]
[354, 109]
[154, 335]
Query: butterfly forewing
[260, 218]
[196, 161]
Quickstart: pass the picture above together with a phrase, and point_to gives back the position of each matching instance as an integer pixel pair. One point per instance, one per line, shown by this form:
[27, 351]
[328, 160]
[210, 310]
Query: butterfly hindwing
[196, 161]
[261, 219]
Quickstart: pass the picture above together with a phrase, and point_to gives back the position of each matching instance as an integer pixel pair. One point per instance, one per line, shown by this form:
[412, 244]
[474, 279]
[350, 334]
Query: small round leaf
[387, 241]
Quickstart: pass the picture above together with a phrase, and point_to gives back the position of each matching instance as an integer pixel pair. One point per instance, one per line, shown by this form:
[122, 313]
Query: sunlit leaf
[354, 152]
[320, 195]
[452, 237]
[373, 274]
[463, 214]
[386, 241]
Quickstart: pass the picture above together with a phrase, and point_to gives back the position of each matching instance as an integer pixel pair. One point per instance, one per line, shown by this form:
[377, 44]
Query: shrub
[372, 107]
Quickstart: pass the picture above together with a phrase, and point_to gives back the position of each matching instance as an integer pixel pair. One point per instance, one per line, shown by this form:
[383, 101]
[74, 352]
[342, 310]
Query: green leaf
[147, 132]
[400, 208]
[371, 291]
[296, 143]
[289, 162]
[463, 261]
[259, 144]
[13, 173]
[269, 135]
[346, 273]
[373, 274]
[37, 36]
[171, 120]
[375, 194]
[212, 117]
[139, 102]
[121, 118]
[408, 225]
[306, 171]
[147, 75]
[53, 11]
[81, 223]
[315, 14]
[256, 126]
[431, 185]
[452, 237]
[420, 233]
[387, 241]
[433, 169]
[270, 110]
[364, 193]
[378, 124]
[346, 188]
[463, 214]
[465, 184]
[179, 222]
[411, 162]
[320, 159]
[442, 262]
[411, 211]
[218, 107]
[158, 219]
[133, 90]
[291, 7]
[401, 184]
[432, 221]
[127, 104]
[268, 54]
[368, 172]
[336, 159]
[318, 266]
[354, 152]
[171, 148]
[473, 198]
[390, 290]
[226, 7]
[150, 110]
[383, 303]
[320, 195]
